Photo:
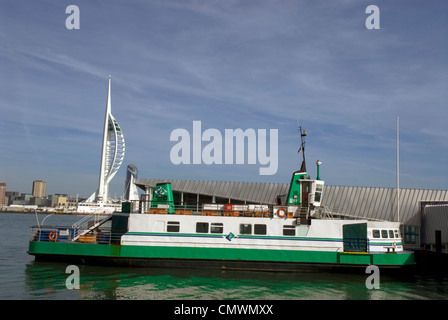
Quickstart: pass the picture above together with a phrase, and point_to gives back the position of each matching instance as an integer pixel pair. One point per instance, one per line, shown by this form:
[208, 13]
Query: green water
[23, 278]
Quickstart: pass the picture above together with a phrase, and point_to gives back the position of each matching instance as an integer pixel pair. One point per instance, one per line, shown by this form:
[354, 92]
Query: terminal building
[422, 213]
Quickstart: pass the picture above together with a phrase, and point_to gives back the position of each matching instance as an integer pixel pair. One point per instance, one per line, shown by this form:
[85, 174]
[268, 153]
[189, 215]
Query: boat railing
[90, 219]
[356, 244]
[89, 223]
[211, 209]
[66, 234]
[82, 221]
[326, 213]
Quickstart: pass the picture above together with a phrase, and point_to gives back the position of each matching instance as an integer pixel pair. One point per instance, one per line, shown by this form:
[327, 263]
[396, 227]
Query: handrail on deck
[221, 209]
[66, 234]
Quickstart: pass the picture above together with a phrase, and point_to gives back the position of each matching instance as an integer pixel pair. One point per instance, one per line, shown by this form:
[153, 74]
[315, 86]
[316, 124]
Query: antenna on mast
[302, 146]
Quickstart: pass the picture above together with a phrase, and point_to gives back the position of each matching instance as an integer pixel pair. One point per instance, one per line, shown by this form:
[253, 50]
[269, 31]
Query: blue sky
[229, 64]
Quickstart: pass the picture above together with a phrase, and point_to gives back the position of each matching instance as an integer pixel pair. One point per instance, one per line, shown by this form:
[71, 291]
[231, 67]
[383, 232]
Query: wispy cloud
[230, 64]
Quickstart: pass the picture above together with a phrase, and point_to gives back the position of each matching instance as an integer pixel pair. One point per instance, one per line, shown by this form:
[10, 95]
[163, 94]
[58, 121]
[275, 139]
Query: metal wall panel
[435, 217]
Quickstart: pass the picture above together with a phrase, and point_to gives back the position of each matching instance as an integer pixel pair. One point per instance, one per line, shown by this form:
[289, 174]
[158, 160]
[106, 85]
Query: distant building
[39, 189]
[130, 189]
[3, 198]
[11, 196]
[73, 202]
[58, 200]
[435, 227]
[23, 200]
[40, 202]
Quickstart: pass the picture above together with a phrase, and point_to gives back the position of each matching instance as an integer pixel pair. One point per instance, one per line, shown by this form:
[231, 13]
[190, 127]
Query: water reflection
[23, 278]
[46, 280]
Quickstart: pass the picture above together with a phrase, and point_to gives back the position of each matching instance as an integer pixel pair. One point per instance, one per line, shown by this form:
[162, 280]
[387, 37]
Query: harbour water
[22, 278]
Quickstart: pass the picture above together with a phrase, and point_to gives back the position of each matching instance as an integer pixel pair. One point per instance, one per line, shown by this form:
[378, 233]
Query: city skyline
[30, 193]
[229, 65]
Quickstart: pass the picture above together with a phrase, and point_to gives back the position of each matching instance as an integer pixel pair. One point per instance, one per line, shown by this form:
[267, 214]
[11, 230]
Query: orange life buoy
[281, 212]
[53, 236]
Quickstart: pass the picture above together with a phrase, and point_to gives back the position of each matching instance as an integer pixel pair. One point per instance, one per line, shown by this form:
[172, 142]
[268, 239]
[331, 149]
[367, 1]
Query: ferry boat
[100, 207]
[295, 235]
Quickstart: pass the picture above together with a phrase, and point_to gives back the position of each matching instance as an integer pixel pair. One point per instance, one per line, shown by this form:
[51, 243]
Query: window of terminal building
[411, 234]
[202, 227]
[173, 226]
[217, 228]
[260, 229]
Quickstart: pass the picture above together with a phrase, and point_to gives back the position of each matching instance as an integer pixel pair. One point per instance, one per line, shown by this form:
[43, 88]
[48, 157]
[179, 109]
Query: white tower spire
[112, 153]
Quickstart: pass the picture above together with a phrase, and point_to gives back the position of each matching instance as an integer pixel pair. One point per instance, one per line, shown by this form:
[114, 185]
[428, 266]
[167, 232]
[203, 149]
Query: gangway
[93, 221]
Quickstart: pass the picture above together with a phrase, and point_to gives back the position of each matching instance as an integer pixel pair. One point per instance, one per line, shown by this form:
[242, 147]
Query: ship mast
[302, 148]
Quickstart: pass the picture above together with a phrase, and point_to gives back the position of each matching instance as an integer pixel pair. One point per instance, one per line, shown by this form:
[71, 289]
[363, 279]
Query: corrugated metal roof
[361, 202]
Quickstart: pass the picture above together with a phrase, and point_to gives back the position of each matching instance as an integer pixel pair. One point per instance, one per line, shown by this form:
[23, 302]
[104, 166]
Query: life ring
[281, 212]
[53, 236]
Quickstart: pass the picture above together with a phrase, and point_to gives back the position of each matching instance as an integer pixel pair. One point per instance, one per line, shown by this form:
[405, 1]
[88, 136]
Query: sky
[229, 64]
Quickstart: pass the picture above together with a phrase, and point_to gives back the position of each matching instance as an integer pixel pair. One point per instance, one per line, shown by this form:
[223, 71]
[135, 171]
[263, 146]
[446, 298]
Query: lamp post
[318, 163]
[398, 169]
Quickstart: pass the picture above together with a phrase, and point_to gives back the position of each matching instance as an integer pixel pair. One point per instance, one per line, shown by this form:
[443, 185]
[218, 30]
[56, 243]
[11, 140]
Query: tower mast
[102, 185]
[112, 152]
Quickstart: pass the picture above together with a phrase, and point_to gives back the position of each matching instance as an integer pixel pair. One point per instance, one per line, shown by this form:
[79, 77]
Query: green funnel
[163, 197]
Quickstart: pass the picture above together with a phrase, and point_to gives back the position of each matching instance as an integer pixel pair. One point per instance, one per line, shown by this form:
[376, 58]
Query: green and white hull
[225, 242]
[218, 258]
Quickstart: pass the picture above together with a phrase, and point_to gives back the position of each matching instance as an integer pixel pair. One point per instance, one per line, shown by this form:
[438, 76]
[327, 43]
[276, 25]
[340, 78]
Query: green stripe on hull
[165, 252]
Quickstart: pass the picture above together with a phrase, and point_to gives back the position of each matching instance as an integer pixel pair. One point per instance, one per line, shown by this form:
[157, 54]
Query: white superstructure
[259, 230]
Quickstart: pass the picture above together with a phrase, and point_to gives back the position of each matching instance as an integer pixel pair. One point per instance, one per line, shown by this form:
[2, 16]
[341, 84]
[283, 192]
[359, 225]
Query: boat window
[391, 233]
[397, 235]
[289, 230]
[173, 226]
[202, 227]
[216, 228]
[245, 228]
[259, 229]
[376, 233]
[383, 233]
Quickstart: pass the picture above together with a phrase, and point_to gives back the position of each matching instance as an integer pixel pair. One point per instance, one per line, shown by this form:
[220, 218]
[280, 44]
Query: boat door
[306, 189]
[354, 237]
